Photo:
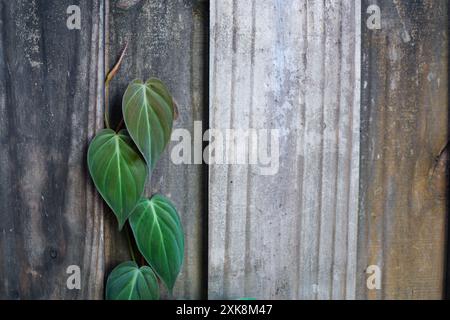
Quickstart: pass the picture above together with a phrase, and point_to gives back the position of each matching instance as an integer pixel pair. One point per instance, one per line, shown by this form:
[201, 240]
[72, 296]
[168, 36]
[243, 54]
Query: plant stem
[109, 77]
[120, 125]
[107, 104]
[130, 245]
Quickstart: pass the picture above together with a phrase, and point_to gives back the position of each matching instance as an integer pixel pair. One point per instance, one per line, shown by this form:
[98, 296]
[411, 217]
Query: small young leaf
[118, 171]
[148, 111]
[159, 237]
[129, 282]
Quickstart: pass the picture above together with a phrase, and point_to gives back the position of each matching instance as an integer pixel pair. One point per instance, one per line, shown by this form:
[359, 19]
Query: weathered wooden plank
[292, 66]
[50, 216]
[166, 40]
[404, 153]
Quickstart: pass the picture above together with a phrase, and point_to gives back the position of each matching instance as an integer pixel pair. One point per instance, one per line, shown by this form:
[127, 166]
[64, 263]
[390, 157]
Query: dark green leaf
[148, 111]
[118, 171]
[129, 282]
[159, 236]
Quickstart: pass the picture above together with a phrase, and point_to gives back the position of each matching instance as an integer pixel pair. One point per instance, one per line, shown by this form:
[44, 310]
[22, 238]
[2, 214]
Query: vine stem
[120, 125]
[106, 105]
[130, 245]
[109, 77]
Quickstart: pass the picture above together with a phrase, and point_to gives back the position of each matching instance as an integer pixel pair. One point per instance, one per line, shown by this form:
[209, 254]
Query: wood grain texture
[404, 150]
[293, 66]
[166, 40]
[50, 215]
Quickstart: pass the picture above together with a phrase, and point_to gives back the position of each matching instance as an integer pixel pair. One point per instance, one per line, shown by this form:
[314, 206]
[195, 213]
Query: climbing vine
[120, 162]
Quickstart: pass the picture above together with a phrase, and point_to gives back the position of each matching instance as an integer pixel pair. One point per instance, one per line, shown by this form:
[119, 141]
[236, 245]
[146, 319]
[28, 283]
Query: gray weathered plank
[166, 40]
[50, 216]
[293, 66]
[404, 150]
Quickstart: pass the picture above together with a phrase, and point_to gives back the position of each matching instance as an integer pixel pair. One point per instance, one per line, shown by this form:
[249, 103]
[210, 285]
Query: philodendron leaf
[118, 171]
[159, 237]
[129, 282]
[148, 111]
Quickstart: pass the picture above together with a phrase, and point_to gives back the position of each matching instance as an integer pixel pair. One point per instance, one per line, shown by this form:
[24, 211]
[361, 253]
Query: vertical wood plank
[404, 150]
[293, 66]
[50, 107]
[166, 40]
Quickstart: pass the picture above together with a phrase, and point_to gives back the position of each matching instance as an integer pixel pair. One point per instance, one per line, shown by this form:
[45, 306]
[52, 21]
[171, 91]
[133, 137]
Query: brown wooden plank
[166, 39]
[50, 216]
[403, 150]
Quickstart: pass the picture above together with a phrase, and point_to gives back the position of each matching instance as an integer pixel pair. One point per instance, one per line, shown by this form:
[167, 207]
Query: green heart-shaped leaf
[118, 171]
[129, 282]
[159, 237]
[148, 111]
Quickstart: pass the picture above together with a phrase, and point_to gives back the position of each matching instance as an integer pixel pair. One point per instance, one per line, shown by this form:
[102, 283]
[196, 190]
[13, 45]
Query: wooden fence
[360, 113]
